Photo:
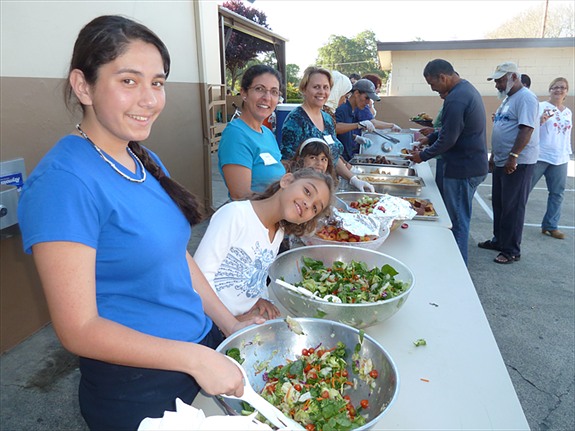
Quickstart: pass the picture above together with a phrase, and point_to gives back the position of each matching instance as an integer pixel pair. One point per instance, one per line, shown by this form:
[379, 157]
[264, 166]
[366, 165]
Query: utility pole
[545, 18]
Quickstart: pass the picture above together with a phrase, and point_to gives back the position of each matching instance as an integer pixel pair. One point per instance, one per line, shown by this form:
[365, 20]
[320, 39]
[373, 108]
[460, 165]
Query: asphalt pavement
[530, 306]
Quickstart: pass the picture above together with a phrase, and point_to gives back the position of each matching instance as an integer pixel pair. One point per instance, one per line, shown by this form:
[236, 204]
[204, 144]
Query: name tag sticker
[328, 139]
[268, 159]
[505, 109]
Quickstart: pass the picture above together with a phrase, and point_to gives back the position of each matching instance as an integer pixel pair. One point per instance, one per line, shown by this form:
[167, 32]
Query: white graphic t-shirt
[235, 254]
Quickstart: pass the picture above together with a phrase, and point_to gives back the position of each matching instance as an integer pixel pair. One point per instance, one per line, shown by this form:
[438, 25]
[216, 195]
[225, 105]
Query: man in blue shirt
[461, 143]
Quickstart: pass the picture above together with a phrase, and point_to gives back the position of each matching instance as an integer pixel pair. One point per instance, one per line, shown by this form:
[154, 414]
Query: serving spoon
[266, 409]
[347, 207]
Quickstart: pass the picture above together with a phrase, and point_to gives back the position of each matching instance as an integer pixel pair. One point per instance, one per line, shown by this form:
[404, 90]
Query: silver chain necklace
[112, 164]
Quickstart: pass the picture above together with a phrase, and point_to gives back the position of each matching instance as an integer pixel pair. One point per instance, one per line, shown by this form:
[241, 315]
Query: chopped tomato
[364, 404]
[310, 427]
[373, 374]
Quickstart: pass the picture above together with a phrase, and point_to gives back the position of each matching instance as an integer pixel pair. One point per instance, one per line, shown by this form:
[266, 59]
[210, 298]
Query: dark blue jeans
[555, 178]
[458, 197]
[116, 397]
[509, 198]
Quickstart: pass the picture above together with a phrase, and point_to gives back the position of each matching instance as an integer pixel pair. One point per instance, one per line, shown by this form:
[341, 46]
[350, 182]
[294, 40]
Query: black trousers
[116, 397]
[509, 199]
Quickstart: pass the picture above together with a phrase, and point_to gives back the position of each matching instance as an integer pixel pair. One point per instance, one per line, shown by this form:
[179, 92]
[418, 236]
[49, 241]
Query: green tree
[243, 48]
[558, 23]
[358, 54]
[292, 71]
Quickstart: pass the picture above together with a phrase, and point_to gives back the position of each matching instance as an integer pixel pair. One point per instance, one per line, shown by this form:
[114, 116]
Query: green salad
[351, 282]
[311, 390]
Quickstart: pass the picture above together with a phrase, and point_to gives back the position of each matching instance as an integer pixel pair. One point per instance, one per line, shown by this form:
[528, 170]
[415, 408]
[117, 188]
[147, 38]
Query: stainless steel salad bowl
[273, 343]
[287, 266]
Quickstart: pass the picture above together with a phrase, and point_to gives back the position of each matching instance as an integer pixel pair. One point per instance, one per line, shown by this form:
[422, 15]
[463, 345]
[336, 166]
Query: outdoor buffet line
[419, 357]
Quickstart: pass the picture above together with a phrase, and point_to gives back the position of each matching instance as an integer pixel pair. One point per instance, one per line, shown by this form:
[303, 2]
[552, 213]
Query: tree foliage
[559, 23]
[355, 55]
[243, 48]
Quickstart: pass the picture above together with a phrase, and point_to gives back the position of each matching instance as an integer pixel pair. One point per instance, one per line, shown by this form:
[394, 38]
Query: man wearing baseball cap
[514, 152]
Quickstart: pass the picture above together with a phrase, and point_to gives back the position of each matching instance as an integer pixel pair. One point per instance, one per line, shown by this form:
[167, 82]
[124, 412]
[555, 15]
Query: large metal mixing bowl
[273, 343]
[288, 266]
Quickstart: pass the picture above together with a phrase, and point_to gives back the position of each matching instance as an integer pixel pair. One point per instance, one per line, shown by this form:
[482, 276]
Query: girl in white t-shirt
[243, 238]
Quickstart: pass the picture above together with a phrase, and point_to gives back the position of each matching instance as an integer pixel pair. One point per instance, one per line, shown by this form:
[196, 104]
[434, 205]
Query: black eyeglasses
[262, 91]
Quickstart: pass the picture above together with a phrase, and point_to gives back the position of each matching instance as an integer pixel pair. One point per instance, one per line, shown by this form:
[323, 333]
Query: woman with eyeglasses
[248, 155]
[554, 153]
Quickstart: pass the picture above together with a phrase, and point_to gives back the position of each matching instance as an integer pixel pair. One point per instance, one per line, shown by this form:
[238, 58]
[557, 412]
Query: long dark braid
[186, 201]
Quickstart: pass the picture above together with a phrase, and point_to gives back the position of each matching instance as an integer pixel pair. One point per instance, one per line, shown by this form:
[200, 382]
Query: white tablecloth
[458, 380]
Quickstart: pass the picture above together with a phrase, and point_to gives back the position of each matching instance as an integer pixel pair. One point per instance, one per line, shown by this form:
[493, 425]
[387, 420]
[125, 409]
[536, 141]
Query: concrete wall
[36, 43]
[475, 65]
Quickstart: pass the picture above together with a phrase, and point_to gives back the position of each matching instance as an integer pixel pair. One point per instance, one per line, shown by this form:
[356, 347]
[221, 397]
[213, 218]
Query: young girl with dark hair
[313, 153]
[109, 229]
[244, 237]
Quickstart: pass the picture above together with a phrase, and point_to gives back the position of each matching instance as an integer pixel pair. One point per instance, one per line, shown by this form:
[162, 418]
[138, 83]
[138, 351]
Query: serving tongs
[302, 290]
[389, 138]
[266, 409]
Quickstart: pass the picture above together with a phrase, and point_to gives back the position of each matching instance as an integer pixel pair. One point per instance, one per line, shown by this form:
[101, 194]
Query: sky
[309, 23]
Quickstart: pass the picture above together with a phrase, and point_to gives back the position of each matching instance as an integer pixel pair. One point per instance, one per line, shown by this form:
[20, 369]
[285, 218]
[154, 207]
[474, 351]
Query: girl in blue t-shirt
[109, 228]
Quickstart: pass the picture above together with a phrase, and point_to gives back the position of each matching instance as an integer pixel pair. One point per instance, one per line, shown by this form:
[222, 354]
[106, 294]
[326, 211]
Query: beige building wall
[36, 45]
[475, 65]
[409, 94]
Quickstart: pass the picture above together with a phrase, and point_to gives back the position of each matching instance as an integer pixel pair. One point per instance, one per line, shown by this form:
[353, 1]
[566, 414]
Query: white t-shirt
[555, 135]
[235, 254]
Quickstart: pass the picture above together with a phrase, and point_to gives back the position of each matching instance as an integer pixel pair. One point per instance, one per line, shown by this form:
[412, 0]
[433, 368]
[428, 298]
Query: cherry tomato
[347, 398]
[373, 374]
[404, 226]
[351, 410]
[305, 352]
[297, 387]
[312, 375]
[344, 373]
[307, 368]
[364, 404]
[311, 350]
[325, 394]
[310, 427]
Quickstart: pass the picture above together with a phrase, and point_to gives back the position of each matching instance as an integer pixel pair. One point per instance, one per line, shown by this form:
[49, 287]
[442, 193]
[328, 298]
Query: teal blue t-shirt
[258, 151]
[139, 234]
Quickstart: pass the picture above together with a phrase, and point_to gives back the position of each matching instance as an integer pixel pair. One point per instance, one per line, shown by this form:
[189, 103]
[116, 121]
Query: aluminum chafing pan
[359, 159]
[395, 185]
[430, 217]
[403, 171]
